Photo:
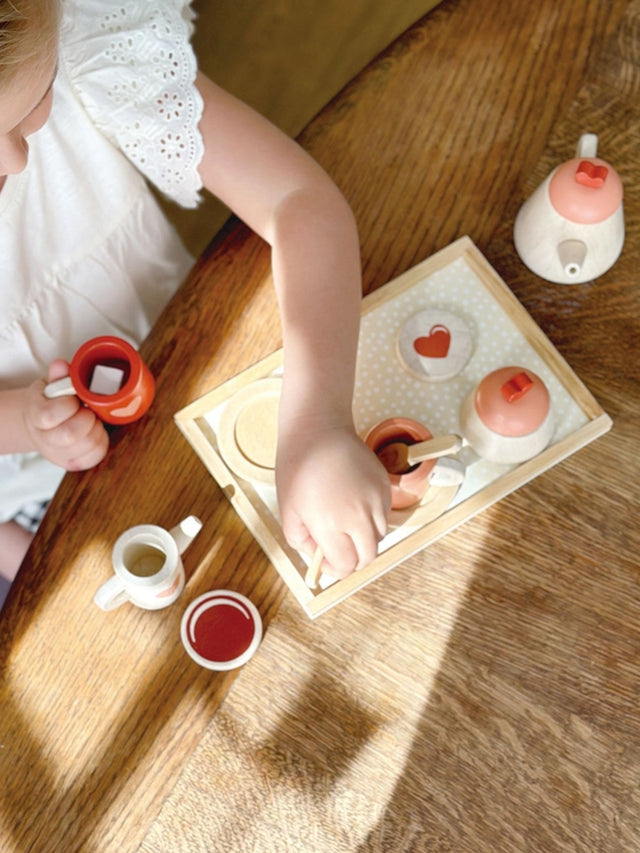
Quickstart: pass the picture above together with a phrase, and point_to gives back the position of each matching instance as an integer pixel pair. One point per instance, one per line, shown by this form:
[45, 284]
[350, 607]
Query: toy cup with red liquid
[221, 629]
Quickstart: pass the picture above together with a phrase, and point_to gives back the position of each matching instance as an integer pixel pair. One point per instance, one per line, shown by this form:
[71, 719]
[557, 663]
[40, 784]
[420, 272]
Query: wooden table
[483, 696]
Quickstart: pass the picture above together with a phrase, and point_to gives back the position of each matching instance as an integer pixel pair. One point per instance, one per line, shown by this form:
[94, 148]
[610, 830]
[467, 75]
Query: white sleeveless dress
[84, 248]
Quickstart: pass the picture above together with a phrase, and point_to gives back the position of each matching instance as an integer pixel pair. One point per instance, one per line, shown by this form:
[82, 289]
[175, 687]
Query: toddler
[96, 99]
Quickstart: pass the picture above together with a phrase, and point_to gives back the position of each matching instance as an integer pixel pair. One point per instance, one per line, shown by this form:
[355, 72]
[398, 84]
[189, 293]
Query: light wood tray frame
[265, 527]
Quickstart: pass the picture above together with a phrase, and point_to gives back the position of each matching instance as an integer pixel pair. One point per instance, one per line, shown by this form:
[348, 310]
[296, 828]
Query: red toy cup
[137, 387]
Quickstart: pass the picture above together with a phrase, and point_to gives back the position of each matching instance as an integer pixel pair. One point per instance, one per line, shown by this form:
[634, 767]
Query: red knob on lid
[590, 174]
[512, 401]
[515, 387]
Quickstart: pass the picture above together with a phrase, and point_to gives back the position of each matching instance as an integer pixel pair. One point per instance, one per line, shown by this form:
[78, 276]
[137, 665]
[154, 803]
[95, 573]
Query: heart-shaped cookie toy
[434, 345]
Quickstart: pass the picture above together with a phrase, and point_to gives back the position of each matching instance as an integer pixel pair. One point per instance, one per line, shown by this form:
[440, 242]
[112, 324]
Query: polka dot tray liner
[427, 339]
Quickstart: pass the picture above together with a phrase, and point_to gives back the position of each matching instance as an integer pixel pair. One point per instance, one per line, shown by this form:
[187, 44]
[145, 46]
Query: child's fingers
[83, 459]
[345, 551]
[380, 518]
[90, 444]
[366, 543]
[297, 534]
[83, 425]
[46, 413]
[340, 555]
[77, 443]
[50, 414]
[57, 369]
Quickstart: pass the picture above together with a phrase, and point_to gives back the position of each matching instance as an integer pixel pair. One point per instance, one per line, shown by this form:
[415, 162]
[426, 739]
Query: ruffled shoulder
[132, 66]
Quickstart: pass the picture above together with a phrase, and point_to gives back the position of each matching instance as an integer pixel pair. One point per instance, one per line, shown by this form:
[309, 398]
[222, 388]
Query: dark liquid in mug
[402, 438]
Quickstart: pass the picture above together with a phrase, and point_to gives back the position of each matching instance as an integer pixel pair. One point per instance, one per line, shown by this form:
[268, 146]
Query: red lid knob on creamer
[585, 190]
[512, 401]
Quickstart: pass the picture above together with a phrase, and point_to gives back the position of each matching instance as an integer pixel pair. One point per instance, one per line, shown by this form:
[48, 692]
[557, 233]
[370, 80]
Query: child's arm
[332, 490]
[62, 430]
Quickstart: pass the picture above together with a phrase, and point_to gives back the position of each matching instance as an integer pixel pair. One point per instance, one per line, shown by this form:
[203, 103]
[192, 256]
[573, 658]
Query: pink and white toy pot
[571, 229]
[508, 417]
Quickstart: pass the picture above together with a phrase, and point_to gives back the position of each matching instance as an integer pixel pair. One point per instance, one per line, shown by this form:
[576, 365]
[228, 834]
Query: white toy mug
[147, 566]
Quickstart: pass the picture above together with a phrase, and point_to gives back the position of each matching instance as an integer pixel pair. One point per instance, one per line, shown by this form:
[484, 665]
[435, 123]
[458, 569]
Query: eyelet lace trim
[136, 77]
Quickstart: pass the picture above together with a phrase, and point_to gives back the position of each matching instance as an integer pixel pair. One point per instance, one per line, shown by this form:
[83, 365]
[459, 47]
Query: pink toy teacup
[406, 489]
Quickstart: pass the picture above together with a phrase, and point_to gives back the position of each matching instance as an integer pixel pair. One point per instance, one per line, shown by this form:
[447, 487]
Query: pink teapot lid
[586, 190]
[512, 401]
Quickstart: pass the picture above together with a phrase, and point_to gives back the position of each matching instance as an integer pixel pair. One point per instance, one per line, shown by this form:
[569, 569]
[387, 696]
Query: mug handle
[59, 388]
[111, 594]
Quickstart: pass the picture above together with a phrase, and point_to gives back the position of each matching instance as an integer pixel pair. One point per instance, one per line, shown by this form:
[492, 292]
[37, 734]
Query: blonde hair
[28, 31]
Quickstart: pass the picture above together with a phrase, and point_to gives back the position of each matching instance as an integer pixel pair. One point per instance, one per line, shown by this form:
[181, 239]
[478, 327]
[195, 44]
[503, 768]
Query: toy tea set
[109, 377]
[458, 391]
[221, 629]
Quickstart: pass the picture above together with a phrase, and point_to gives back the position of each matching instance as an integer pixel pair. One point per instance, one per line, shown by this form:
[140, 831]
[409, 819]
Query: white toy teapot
[571, 229]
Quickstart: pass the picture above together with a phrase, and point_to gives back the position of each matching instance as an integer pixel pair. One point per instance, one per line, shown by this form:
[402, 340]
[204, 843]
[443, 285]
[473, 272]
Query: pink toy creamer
[571, 229]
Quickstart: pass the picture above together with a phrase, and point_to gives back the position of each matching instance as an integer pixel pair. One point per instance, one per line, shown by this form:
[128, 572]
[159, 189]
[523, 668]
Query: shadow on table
[73, 785]
[530, 737]
[71, 801]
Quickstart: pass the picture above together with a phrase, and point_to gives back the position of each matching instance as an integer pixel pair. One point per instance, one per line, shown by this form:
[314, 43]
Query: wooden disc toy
[248, 430]
[434, 502]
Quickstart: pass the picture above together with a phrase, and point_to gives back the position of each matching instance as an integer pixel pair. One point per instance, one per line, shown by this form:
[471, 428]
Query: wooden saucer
[433, 503]
[248, 430]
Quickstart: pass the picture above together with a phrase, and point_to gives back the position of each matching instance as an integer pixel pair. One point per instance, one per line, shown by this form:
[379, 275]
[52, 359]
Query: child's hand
[63, 430]
[333, 493]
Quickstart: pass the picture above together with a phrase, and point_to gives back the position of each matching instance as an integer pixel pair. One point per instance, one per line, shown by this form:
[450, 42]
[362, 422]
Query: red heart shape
[591, 174]
[435, 344]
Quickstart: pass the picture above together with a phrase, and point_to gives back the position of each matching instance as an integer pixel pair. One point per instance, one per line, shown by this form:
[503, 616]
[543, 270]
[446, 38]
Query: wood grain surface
[285, 58]
[481, 697]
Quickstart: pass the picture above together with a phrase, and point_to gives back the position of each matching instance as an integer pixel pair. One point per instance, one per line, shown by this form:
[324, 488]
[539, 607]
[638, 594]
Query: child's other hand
[333, 493]
[63, 430]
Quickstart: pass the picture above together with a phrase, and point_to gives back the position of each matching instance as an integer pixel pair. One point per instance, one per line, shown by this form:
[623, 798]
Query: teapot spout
[572, 254]
[185, 532]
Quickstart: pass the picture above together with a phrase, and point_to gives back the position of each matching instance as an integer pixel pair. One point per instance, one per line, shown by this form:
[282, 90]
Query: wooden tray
[459, 284]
